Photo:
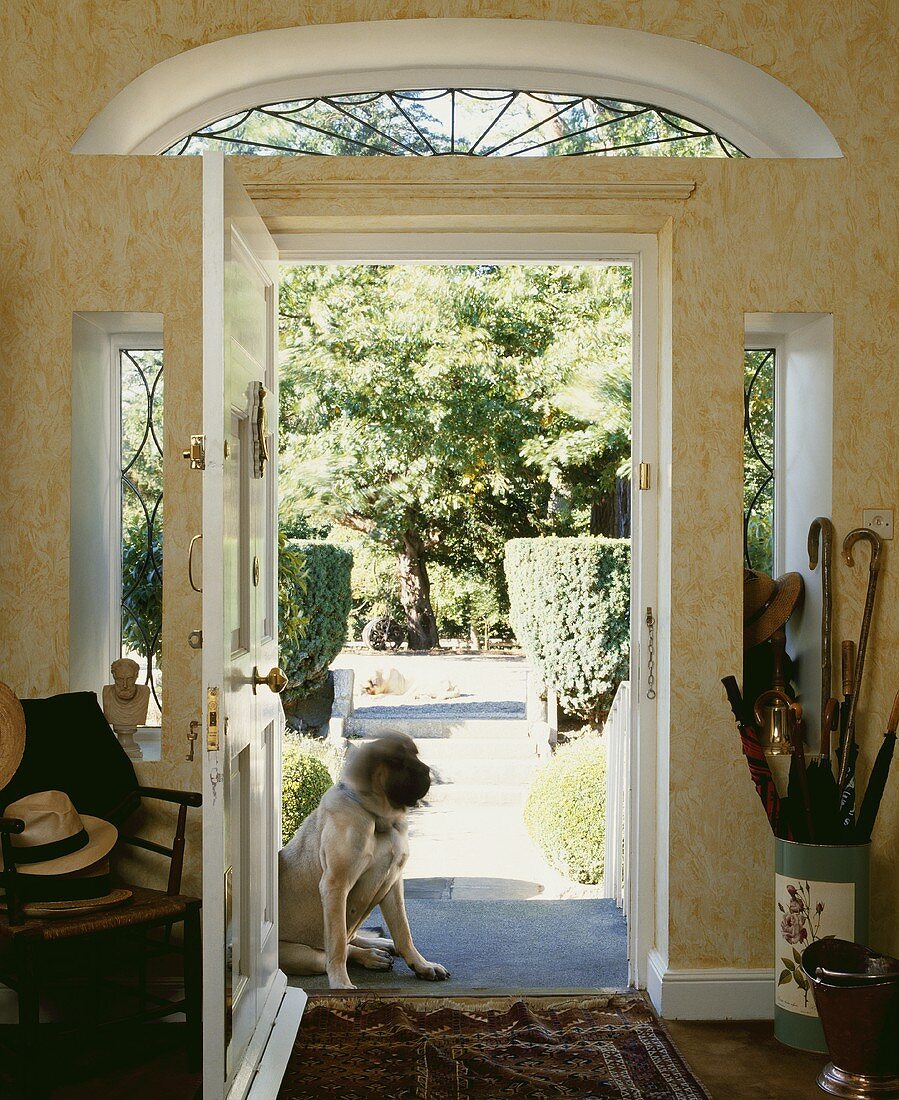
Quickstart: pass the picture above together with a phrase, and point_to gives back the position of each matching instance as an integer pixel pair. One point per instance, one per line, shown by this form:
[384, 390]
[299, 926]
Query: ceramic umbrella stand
[820, 890]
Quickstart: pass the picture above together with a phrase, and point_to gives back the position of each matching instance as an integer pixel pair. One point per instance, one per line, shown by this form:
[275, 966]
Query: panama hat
[61, 858]
[56, 839]
[12, 734]
[767, 604]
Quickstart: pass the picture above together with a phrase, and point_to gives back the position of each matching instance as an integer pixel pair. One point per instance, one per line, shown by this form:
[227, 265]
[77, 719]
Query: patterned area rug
[379, 1048]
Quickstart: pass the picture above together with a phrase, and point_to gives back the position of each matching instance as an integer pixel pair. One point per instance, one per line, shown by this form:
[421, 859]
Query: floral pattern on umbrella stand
[799, 926]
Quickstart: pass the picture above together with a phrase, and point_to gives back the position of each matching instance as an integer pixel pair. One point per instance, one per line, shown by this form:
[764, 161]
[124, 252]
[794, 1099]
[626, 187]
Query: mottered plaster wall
[100, 233]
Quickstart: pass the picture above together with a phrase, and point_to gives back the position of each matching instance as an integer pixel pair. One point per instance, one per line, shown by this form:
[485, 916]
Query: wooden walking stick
[848, 542]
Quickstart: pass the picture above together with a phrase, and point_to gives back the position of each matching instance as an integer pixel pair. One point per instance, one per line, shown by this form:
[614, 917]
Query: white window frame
[119, 342]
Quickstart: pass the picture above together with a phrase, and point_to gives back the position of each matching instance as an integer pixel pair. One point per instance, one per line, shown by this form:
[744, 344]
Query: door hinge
[212, 719]
[197, 452]
[645, 471]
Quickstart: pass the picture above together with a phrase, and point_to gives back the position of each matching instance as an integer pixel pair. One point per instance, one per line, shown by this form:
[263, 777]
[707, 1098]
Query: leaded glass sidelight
[758, 459]
[466, 121]
[141, 389]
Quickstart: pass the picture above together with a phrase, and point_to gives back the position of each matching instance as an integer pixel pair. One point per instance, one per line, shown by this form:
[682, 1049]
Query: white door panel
[242, 773]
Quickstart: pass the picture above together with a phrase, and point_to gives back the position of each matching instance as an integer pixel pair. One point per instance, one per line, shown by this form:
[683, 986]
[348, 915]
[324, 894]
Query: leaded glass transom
[461, 121]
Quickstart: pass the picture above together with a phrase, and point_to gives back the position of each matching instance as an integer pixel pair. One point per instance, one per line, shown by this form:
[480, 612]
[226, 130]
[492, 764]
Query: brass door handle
[190, 564]
[276, 680]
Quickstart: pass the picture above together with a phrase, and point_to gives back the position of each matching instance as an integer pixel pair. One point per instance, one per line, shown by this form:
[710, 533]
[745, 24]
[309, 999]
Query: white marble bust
[126, 702]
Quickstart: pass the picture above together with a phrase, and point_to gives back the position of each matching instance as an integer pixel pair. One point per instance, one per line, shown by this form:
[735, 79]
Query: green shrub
[314, 605]
[565, 812]
[306, 777]
[570, 610]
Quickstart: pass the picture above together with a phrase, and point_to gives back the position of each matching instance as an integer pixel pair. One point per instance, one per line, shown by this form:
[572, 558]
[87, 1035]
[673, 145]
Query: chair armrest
[182, 798]
[11, 825]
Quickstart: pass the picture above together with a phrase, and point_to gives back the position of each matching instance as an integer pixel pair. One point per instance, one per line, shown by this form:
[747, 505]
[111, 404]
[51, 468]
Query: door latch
[197, 453]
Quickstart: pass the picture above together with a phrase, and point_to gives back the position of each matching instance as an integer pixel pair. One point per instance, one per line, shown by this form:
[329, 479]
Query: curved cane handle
[857, 535]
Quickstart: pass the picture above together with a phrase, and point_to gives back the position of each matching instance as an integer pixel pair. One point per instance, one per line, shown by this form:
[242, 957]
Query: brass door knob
[276, 680]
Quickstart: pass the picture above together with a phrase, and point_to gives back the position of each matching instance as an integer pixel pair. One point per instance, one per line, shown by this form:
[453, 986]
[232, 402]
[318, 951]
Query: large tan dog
[346, 858]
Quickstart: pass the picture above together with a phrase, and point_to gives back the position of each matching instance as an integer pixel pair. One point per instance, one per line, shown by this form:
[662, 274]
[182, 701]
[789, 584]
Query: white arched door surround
[747, 106]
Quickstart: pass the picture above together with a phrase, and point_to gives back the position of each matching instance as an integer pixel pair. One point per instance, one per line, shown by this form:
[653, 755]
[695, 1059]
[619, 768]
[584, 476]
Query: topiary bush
[570, 610]
[565, 812]
[313, 609]
[305, 778]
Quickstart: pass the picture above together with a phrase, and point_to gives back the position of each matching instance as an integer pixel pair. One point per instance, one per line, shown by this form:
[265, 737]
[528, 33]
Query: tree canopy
[439, 409]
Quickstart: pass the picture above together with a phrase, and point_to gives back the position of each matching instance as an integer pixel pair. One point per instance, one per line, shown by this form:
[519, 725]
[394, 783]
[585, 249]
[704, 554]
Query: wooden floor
[743, 1061]
[733, 1060]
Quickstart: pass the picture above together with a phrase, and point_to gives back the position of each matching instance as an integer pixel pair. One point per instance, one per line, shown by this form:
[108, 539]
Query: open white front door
[242, 986]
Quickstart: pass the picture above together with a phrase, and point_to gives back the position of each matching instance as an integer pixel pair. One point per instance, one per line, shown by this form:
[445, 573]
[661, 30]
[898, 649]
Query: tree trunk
[415, 594]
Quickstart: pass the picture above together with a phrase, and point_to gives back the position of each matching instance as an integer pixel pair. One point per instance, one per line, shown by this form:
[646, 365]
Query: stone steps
[481, 772]
[436, 750]
[445, 795]
[499, 728]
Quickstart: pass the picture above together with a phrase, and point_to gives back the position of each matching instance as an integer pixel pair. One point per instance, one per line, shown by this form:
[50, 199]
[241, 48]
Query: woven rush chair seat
[145, 908]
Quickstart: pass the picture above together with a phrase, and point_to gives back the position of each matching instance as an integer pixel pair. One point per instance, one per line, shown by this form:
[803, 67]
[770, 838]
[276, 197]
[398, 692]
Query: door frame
[537, 245]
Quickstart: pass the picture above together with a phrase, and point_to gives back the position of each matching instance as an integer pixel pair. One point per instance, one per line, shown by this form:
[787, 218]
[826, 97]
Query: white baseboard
[722, 994]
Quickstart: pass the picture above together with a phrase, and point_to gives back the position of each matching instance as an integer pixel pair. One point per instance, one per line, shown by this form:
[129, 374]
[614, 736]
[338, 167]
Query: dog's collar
[382, 824]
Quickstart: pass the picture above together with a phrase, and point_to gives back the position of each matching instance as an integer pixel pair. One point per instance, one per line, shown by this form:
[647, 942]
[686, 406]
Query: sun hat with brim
[767, 604]
[67, 895]
[56, 839]
[12, 734]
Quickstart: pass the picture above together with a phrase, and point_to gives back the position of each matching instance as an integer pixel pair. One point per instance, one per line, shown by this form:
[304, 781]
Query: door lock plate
[212, 719]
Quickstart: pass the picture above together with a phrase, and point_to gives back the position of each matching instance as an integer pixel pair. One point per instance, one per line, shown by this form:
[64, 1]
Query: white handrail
[617, 737]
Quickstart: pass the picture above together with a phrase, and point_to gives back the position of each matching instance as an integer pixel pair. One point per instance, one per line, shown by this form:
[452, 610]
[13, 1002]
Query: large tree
[409, 393]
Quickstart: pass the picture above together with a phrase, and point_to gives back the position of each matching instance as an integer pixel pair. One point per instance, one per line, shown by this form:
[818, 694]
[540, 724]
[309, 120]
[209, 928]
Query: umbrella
[847, 794]
[877, 781]
[758, 764]
[823, 789]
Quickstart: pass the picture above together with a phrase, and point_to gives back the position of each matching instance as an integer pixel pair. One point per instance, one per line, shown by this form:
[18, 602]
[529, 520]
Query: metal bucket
[820, 890]
[858, 1002]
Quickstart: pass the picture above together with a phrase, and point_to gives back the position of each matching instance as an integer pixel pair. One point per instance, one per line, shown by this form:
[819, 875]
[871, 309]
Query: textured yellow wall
[108, 234]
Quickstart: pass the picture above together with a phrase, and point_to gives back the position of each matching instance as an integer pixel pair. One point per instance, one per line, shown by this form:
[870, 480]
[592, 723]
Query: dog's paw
[373, 958]
[431, 972]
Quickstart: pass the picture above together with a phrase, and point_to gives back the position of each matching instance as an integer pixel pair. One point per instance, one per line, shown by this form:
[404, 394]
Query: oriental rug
[489, 1048]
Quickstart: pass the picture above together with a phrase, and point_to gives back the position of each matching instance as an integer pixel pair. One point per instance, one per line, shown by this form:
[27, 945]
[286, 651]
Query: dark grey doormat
[577, 944]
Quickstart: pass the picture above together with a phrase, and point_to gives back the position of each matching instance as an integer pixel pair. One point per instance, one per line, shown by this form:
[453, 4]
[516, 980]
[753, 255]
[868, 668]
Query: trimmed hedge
[570, 610]
[313, 608]
[565, 812]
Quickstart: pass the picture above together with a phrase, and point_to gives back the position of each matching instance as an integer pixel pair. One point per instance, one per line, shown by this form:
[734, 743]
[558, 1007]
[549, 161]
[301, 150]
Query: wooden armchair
[28, 944]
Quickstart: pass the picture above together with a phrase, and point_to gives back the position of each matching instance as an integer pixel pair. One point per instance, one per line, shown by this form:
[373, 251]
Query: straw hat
[61, 858]
[12, 734]
[56, 839]
[767, 604]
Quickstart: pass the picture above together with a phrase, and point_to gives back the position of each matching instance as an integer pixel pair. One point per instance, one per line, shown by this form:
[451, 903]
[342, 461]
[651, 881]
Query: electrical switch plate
[879, 520]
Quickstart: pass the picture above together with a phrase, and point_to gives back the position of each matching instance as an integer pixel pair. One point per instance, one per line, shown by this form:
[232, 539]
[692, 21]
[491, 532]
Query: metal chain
[650, 656]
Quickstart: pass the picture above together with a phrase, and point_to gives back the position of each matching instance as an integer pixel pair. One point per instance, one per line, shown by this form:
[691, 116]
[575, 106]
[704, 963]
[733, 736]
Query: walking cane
[824, 528]
[848, 542]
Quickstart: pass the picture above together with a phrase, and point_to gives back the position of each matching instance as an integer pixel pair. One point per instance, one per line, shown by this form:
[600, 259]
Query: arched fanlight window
[470, 122]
